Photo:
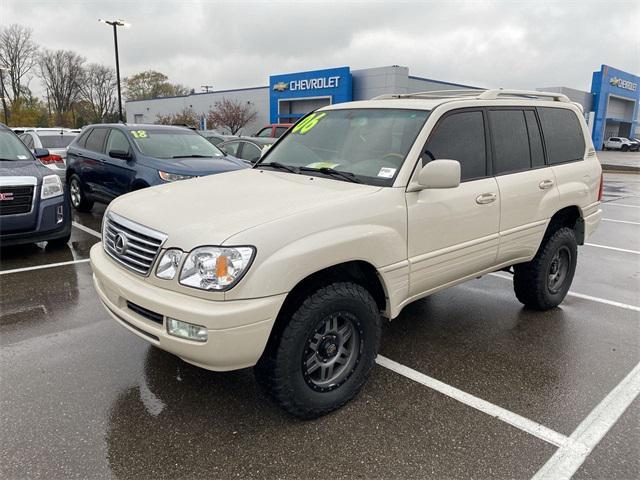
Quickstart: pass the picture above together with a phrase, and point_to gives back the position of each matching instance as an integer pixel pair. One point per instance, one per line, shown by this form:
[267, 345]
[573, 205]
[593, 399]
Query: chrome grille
[131, 244]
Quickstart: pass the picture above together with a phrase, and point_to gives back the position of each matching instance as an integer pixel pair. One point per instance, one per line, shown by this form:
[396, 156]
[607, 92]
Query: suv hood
[208, 210]
[23, 168]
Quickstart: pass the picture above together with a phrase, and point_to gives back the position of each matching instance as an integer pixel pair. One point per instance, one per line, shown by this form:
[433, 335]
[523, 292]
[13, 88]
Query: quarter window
[562, 135]
[510, 141]
[95, 140]
[250, 152]
[460, 136]
[231, 148]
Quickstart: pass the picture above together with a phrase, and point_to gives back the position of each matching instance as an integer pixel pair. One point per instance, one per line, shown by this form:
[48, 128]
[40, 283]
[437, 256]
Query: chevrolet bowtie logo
[280, 86]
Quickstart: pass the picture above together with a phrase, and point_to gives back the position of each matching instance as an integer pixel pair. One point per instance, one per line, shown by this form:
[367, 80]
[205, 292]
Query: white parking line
[621, 205]
[570, 456]
[613, 303]
[87, 229]
[624, 250]
[40, 267]
[620, 221]
[513, 419]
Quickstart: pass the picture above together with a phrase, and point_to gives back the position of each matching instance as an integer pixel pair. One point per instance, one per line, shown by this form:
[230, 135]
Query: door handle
[545, 184]
[486, 198]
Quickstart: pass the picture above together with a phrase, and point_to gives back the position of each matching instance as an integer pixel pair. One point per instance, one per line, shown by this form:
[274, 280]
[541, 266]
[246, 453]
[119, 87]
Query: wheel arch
[357, 271]
[571, 217]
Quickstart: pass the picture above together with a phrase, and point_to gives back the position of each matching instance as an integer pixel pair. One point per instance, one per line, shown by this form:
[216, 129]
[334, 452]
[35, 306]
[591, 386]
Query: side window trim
[488, 167]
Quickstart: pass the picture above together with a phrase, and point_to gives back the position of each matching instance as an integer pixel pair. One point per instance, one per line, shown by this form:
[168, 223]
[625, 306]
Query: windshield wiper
[350, 177]
[193, 156]
[280, 166]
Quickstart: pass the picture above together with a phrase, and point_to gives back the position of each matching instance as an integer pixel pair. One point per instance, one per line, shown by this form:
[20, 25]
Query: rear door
[119, 173]
[453, 232]
[528, 189]
[92, 158]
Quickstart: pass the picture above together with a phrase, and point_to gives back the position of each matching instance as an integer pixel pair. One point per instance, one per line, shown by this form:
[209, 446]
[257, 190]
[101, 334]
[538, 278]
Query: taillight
[52, 159]
[601, 189]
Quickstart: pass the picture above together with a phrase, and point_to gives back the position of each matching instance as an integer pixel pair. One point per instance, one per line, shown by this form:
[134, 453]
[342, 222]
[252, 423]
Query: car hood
[22, 168]
[198, 166]
[208, 210]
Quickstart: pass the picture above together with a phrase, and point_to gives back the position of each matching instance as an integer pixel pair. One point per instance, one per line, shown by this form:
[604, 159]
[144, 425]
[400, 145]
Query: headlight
[172, 177]
[51, 186]
[215, 268]
[168, 264]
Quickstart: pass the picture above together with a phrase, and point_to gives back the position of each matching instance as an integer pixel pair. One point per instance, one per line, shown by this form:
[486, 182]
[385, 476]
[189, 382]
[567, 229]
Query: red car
[273, 130]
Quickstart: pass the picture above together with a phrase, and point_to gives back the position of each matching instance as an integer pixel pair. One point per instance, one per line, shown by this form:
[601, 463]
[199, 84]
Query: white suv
[358, 210]
[619, 143]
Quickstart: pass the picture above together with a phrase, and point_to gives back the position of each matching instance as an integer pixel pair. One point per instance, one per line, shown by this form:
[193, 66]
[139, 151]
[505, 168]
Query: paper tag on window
[387, 172]
[22, 157]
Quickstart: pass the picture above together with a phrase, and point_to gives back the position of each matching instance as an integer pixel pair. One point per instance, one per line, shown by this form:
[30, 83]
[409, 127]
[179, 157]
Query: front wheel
[324, 354]
[78, 197]
[625, 148]
[543, 282]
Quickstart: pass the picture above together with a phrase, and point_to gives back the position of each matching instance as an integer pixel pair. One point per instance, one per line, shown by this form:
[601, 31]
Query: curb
[620, 168]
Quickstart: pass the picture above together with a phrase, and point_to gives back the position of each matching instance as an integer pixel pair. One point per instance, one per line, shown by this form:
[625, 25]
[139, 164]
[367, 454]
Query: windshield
[369, 144]
[56, 141]
[11, 148]
[162, 143]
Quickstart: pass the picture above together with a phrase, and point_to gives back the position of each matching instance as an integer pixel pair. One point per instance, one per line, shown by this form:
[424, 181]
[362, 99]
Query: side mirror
[440, 174]
[40, 152]
[121, 154]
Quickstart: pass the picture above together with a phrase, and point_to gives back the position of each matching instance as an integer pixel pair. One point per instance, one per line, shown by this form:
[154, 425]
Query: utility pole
[4, 99]
[115, 24]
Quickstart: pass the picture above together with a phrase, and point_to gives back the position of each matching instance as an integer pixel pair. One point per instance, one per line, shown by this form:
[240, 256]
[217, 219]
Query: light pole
[115, 24]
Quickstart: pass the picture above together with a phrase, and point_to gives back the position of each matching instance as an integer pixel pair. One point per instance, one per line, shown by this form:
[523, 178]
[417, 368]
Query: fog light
[59, 214]
[186, 330]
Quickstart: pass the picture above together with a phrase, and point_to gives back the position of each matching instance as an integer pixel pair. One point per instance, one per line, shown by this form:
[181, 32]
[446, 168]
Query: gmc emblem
[6, 196]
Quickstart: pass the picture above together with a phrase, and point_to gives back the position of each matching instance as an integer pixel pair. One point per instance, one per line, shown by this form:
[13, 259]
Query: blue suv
[108, 160]
[34, 206]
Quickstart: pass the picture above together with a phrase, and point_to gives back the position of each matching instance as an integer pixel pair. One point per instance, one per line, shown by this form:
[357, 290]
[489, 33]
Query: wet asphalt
[80, 397]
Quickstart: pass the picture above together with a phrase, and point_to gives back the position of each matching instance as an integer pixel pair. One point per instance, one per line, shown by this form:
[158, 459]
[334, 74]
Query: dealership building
[611, 107]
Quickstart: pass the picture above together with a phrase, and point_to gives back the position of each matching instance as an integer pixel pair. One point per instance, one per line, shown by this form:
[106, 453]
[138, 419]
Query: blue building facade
[616, 102]
[292, 95]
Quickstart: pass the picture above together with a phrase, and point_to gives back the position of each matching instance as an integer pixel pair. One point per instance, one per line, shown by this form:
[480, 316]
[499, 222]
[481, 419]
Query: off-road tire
[77, 196]
[281, 370]
[531, 280]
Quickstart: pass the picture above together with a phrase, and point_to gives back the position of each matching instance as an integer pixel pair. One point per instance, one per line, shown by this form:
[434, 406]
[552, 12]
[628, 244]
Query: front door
[120, 173]
[453, 233]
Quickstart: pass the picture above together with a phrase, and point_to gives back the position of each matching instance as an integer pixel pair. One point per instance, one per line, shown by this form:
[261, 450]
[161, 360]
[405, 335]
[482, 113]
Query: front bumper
[238, 330]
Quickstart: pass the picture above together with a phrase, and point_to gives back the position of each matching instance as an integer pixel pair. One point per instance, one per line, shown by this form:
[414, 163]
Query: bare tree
[61, 73]
[18, 56]
[231, 115]
[98, 90]
[186, 117]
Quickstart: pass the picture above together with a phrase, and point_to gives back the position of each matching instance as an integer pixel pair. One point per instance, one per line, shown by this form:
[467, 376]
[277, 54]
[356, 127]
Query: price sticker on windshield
[308, 123]
[139, 133]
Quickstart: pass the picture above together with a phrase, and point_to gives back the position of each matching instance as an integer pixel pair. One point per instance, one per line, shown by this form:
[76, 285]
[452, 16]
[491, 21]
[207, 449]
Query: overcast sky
[233, 44]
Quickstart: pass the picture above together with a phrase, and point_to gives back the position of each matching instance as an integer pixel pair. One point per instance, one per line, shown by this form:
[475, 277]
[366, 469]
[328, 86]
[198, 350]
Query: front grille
[131, 244]
[146, 313]
[16, 199]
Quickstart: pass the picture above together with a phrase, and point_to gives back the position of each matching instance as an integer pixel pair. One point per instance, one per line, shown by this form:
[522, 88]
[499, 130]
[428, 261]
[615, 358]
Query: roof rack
[480, 94]
[495, 93]
[431, 94]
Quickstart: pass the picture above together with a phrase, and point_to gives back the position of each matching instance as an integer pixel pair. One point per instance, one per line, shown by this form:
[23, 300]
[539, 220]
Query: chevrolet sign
[308, 84]
[280, 86]
[626, 84]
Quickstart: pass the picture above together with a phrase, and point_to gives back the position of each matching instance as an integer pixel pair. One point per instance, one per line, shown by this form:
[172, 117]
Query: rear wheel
[543, 282]
[324, 355]
[78, 198]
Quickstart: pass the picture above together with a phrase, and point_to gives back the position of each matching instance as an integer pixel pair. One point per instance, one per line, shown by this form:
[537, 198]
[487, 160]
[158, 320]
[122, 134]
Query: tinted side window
[280, 131]
[510, 141]
[265, 132]
[231, 148]
[250, 152]
[535, 139]
[562, 135]
[460, 136]
[83, 138]
[95, 140]
[117, 141]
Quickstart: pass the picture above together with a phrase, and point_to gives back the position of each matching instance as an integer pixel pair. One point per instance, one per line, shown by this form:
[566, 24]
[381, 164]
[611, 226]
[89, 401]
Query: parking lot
[469, 384]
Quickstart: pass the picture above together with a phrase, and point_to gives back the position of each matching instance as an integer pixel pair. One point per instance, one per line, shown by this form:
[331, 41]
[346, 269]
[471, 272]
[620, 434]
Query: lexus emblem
[6, 196]
[120, 244]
